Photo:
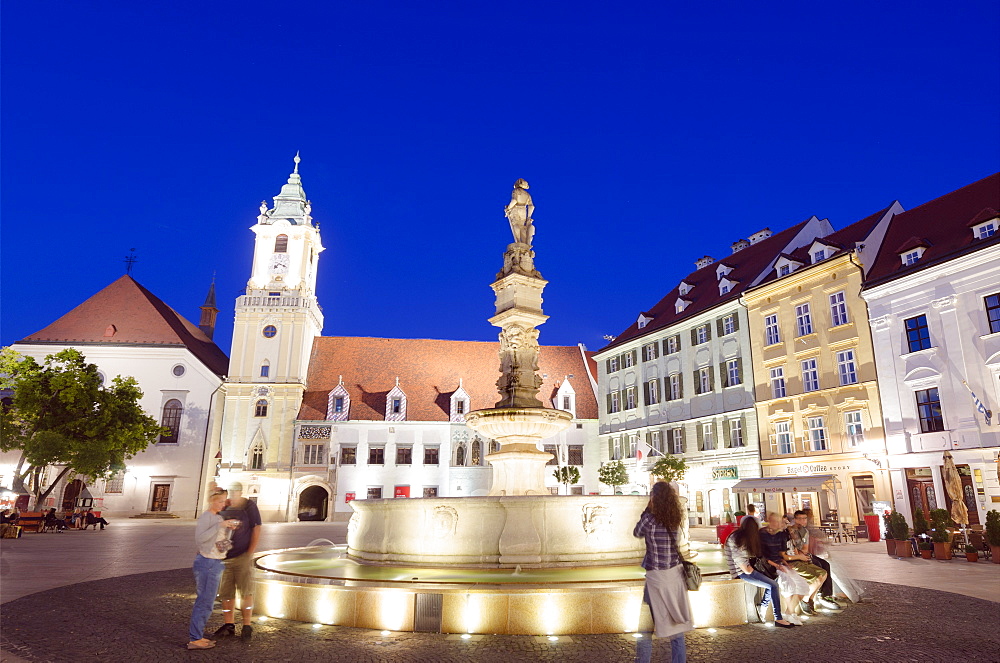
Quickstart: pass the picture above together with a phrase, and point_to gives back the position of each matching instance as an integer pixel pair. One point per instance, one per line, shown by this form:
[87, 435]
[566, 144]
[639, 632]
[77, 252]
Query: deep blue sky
[651, 133]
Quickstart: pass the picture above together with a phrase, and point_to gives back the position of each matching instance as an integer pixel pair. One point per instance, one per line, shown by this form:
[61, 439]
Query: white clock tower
[276, 322]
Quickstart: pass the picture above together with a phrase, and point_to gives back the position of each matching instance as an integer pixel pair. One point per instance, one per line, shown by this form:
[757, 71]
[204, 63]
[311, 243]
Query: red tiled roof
[746, 266]
[429, 372]
[942, 223]
[912, 243]
[982, 217]
[125, 313]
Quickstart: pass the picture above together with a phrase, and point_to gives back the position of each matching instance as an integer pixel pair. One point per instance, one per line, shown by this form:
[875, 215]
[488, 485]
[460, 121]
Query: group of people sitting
[51, 520]
[781, 559]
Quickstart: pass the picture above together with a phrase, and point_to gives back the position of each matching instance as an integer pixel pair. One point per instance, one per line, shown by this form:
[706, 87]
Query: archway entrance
[72, 491]
[313, 503]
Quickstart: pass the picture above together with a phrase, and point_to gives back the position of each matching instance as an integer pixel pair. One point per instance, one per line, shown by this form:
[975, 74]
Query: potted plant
[890, 543]
[926, 549]
[940, 534]
[993, 534]
[901, 533]
[971, 553]
[920, 525]
[739, 516]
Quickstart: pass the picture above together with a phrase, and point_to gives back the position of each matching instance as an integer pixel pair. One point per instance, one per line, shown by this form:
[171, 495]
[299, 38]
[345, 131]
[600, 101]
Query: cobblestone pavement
[143, 617]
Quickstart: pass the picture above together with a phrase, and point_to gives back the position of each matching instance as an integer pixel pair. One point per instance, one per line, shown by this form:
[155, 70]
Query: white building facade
[934, 303]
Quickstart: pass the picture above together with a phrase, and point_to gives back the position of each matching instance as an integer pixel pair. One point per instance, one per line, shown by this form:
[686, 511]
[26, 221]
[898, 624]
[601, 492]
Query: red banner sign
[402, 491]
[349, 497]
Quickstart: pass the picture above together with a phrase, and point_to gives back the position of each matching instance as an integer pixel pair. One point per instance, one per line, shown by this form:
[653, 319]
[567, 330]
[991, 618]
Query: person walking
[237, 574]
[210, 535]
[742, 545]
[666, 590]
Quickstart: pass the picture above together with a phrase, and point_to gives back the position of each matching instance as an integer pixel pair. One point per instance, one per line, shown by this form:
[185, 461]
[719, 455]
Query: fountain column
[519, 420]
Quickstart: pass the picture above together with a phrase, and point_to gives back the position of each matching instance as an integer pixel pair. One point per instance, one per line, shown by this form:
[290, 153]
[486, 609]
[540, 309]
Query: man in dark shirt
[238, 574]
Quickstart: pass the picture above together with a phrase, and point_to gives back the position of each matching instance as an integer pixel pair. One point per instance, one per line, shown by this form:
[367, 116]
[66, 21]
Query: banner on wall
[349, 497]
[401, 491]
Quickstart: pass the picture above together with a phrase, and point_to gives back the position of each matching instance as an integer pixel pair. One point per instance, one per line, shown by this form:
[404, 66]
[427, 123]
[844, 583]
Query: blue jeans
[758, 579]
[644, 649]
[207, 574]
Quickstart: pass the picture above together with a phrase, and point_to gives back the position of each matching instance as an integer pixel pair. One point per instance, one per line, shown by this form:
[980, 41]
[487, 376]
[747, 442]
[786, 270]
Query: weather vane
[130, 260]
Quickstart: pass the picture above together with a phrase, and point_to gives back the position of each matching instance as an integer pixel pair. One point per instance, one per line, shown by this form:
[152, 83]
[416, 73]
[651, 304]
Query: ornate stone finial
[397, 380]
[340, 380]
[263, 207]
[297, 159]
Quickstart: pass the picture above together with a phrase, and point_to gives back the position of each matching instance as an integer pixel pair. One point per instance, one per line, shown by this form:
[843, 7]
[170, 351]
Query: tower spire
[209, 311]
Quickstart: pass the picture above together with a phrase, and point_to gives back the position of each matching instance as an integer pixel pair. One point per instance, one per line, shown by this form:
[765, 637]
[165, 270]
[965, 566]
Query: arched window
[477, 452]
[494, 446]
[460, 455]
[171, 420]
[261, 409]
[281, 244]
[257, 457]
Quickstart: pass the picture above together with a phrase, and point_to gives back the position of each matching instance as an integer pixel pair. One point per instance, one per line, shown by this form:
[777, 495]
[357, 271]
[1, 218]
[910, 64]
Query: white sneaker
[793, 619]
[826, 603]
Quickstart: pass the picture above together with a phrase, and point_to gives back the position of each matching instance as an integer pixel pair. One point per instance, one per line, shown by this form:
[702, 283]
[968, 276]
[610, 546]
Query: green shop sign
[731, 473]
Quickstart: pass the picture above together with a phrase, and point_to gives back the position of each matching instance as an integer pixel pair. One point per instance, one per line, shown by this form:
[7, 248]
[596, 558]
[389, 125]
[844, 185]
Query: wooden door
[161, 497]
[922, 496]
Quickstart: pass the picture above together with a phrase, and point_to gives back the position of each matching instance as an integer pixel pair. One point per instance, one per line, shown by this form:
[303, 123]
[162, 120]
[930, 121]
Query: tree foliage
[669, 468]
[60, 414]
[567, 475]
[613, 474]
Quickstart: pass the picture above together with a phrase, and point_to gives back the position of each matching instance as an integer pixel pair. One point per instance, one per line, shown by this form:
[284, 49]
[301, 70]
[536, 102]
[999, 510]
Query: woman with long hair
[741, 545]
[774, 540]
[666, 591]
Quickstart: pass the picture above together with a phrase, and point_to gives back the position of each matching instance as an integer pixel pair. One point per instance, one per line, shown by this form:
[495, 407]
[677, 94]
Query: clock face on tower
[279, 263]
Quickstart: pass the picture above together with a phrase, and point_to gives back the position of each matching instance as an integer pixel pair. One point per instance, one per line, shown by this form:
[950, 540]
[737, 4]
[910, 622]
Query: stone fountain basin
[498, 531]
[518, 425]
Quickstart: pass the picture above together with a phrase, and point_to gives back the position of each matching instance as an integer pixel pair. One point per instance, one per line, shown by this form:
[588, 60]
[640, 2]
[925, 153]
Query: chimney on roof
[739, 245]
[760, 235]
[704, 261]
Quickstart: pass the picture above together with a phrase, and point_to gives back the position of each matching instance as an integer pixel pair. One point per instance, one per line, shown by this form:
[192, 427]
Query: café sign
[730, 473]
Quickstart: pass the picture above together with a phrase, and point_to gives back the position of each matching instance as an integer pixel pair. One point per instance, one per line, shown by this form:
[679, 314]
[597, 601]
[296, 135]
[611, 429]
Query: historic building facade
[813, 374]
[126, 330]
[934, 302]
[677, 381]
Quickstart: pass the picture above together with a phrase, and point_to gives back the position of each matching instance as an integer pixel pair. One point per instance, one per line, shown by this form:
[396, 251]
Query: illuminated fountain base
[324, 585]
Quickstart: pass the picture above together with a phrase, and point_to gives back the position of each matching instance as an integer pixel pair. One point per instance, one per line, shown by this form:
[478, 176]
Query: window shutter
[609, 403]
[726, 434]
[739, 368]
[680, 385]
[708, 332]
[683, 441]
[711, 378]
[635, 357]
[736, 321]
[697, 383]
[607, 366]
[622, 404]
[694, 337]
[665, 347]
[718, 327]
[645, 393]
[701, 437]
[611, 449]
[656, 350]
[649, 438]
[723, 375]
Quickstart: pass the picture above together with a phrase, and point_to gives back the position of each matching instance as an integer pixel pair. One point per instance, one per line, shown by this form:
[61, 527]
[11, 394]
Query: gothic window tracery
[477, 452]
[256, 456]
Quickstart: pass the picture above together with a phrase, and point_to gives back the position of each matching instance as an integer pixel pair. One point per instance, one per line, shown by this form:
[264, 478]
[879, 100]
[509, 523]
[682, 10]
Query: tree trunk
[41, 496]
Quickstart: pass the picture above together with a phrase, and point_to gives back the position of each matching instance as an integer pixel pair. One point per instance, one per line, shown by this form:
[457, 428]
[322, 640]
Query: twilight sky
[651, 133]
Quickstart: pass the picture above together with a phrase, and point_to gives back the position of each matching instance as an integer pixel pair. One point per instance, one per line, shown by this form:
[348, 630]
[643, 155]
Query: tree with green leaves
[60, 414]
[613, 474]
[567, 475]
[669, 468]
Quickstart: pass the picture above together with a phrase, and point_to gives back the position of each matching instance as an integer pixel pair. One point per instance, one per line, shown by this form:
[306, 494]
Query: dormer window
[785, 266]
[984, 230]
[459, 405]
[338, 407]
[912, 250]
[281, 244]
[565, 398]
[642, 321]
[395, 404]
[722, 270]
[911, 257]
[680, 305]
[784, 270]
[819, 255]
[684, 288]
[726, 286]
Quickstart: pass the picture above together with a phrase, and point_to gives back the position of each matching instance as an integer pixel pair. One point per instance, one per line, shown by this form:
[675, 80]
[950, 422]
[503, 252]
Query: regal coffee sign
[731, 473]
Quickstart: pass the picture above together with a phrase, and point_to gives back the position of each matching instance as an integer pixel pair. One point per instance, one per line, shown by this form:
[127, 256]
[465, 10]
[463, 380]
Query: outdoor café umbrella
[953, 485]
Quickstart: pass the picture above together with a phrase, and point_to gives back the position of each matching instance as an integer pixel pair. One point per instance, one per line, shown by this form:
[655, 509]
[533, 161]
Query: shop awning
[793, 484]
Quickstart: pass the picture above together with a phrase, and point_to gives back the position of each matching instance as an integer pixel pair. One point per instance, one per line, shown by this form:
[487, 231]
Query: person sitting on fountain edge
[238, 574]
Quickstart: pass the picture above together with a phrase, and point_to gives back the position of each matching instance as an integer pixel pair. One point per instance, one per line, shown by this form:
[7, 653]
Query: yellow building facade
[817, 400]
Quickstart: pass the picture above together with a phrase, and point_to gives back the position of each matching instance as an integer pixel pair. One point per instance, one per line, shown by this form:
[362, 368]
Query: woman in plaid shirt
[666, 591]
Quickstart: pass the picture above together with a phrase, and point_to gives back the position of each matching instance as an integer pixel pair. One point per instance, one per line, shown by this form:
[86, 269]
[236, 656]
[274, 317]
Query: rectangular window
[431, 455]
[312, 454]
[404, 455]
[736, 433]
[649, 352]
[733, 376]
[729, 324]
[782, 443]
[993, 312]
[116, 484]
[375, 492]
[911, 258]
[613, 364]
[397, 405]
[855, 429]
[376, 456]
[838, 309]
[986, 230]
[771, 333]
[846, 367]
[704, 384]
[348, 455]
[633, 445]
[785, 270]
[430, 491]
[810, 375]
[675, 386]
[918, 336]
[615, 403]
[630, 398]
[338, 404]
[264, 370]
[616, 448]
[656, 441]
[460, 407]
[567, 404]
[701, 334]
[677, 441]
[554, 450]
[929, 410]
[673, 344]
[777, 382]
[803, 320]
[629, 361]
[819, 255]
[653, 390]
[707, 436]
[817, 433]
[575, 454]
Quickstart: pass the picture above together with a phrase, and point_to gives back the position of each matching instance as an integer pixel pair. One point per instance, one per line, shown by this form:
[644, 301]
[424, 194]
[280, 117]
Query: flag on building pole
[641, 451]
[987, 413]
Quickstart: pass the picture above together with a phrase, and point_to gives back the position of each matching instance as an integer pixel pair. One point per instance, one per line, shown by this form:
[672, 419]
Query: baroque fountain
[517, 560]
